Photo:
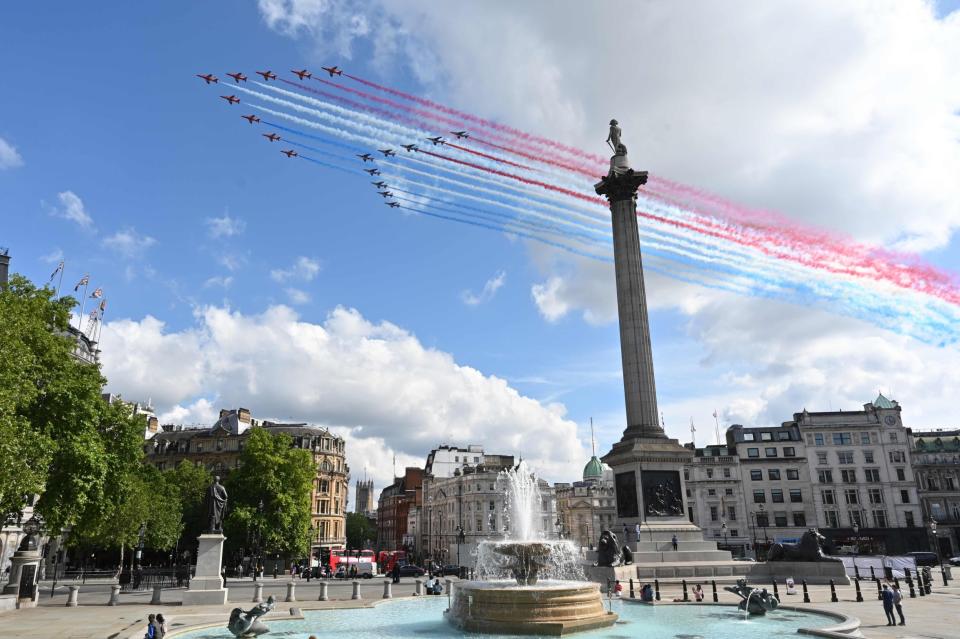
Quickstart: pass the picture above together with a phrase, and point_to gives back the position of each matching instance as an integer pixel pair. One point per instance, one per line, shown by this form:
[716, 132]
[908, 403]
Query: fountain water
[529, 583]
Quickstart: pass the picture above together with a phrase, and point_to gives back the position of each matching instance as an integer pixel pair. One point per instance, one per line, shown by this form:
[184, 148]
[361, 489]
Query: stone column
[356, 591]
[206, 587]
[323, 592]
[418, 588]
[157, 591]
[72, 597]
[291, 591]
[114, 596]
[387, 589]
[257, 593]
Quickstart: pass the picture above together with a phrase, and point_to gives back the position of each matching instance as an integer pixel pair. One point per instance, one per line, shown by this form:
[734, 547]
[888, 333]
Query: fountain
[528, 583]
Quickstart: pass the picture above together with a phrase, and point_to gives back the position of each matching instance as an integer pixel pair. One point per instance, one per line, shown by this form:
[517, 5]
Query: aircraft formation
[333, 71]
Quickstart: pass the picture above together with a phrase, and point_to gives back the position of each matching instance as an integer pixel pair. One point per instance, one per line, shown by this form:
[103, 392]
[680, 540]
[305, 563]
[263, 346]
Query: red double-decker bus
[347, 557]
[389, 558]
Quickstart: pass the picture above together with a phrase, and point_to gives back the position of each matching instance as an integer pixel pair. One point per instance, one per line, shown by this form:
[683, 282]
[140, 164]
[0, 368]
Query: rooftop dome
[593, 469]
[883, 402]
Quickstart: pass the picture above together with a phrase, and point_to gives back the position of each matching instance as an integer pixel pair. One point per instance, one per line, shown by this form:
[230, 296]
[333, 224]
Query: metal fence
[147, 578]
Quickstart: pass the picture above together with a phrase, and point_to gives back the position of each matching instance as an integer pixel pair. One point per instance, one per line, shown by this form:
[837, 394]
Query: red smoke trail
[489, 157]
[488, 124]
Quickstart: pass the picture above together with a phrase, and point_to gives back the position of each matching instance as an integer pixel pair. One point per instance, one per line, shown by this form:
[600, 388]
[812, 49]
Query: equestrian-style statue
[248, 624]
[608, 549]
[808, 549]
[216, 506]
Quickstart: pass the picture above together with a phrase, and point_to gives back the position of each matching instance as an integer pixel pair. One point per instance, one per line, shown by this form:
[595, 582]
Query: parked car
[409, 570]
[448, 570]
[924, 558]
[954, 561]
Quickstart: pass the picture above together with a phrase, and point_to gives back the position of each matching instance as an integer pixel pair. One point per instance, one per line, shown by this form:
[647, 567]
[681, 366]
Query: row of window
[857, 517]
[767, 436]
[849, 475]
[852, 496]
[771, 451]
[780, 519]
[847, 439]
[776, 496]
[793, 474]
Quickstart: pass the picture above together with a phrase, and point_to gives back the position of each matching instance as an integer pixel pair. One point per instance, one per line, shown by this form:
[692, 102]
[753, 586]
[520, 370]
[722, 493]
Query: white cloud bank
[375, 382]
[128, 242]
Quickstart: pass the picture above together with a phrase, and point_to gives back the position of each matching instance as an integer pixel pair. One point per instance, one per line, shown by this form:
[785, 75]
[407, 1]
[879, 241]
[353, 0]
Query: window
[796, 496]
[845, 456]
[851, 496]
[776, 495]
[799, 519]
[780, 519]
[712, 492]
[880, 518]
[783, 436]
[789, 451]
[726, 473]
[756, 475]
[773, 473]
[905, 496]
[476, 460]
[909, 518]
[897, 456]
[770, 452]
[763, 520]
[199, 447]
[713, 513]
[734, 532]
[856, 518]
[893, 437]
[825, 476]
[686, 474]
[876, 495]
[848, 476]
[900, 475]
[732, 514]
[822, 459]
[868, 456]
[767, 437]
[759, 496]
[753, 452]
[842, 439]
[793, 473]
[492, 506]
[833, 519]
[709, 473]
[818, 439]
[749, 437]
[728, 492]
[865, 439]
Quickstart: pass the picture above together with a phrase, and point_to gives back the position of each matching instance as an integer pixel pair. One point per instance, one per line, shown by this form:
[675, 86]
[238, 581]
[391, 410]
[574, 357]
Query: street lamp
[723, 527]
[856, 547]
[932, 524]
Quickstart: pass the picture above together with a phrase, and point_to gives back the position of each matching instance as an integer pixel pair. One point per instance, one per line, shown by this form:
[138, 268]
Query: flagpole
[693, 429]
[83, 303]
[60, 282]
[593, 444]
[717, 420]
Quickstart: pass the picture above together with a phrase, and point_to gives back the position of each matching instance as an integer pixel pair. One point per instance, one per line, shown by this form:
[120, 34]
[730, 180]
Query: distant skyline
[235, 277]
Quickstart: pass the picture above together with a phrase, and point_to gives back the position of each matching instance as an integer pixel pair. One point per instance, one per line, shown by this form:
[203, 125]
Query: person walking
[395, 572]
[151, 632]
[887, 596]
[626, 534]
[673, 541]
[161, 626]
[898, 603]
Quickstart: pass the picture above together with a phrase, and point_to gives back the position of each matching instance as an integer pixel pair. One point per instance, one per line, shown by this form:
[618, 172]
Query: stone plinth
[813, 572]
[556, 608]
[206, 587]
[24, 568]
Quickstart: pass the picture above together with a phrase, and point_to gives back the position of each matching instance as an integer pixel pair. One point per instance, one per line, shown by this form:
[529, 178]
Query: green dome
[883, 402]
[593, 469]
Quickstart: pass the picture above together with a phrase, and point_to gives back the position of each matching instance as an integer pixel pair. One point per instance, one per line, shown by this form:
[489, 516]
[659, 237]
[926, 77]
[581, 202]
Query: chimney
[4, 266]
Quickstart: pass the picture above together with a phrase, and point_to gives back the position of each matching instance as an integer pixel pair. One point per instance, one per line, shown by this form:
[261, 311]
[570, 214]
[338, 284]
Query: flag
[93, 315]
[97, 293]
[83, 282]
[58, 269]
[714, 414]
[103, 306]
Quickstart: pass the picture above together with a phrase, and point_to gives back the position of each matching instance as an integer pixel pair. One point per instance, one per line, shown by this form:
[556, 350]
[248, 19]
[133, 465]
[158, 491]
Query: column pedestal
[206, 587]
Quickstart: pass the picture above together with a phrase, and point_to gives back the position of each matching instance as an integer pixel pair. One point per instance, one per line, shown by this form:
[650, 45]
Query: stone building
[363, 497]
[715, 498]
[935, 457]
[219, 447]
[586, 507]
[393, 509]
[864, 489]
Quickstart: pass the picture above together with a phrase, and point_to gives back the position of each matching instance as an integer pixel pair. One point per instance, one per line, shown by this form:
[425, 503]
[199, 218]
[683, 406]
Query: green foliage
[191, 483]
[281, 476]
[360, 531]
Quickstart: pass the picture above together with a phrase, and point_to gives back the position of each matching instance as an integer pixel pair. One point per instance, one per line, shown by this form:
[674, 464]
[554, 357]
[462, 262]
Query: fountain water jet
[529, 583]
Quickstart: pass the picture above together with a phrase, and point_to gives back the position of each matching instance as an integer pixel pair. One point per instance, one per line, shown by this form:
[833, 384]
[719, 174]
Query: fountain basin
[552, 608]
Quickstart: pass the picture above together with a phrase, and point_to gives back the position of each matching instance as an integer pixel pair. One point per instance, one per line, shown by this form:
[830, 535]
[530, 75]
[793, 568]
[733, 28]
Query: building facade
[393, 510]
[585, 508]
[715, 498]
[935, 457]
[219, 447]
[363, 497]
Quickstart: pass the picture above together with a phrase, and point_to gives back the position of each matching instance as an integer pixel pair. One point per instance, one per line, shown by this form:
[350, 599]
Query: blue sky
[104, 104]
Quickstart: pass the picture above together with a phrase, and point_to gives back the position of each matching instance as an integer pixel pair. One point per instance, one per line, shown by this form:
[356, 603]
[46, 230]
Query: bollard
[157, 591]
[873, 577]
[879, 591]
[913, 593]
[776, 593]
[656, 588]
[943, 573]
[686, 597]
[418, 588]
[856, 585]
[387, 589]
[856, 572]
[257, 593]
[833, 592]
[713, 585]
[806, 594]
[632, 595]
[920, 584]
[356, 591]
[72, 597]
[291, 591]
[926, 584]
[114, 596]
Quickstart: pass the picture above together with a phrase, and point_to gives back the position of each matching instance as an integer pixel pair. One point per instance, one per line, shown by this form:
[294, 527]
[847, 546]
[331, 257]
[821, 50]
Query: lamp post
[723, 527]
[932, 525]
[856, 545]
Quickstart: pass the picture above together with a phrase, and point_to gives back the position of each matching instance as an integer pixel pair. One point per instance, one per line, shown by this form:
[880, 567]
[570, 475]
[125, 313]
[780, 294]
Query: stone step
[681, 557]
[658, 546]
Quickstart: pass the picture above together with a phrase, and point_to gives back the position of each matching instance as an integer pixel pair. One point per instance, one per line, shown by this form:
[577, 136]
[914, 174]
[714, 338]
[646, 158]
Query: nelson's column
[647, 465]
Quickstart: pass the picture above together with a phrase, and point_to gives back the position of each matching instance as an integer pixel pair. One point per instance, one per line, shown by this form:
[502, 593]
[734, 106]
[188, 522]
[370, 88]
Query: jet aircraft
[290, 154]
[232, 99]
[250, 118]
[461, 134]
[238, 77]
[267, 75]
[273, 137]
[437, 140]
[366, 157]
[385, 193]
[387, 152]
[410, 147]
[373, 171]
[302, 73]
[379, 184]
[208, 78]
[393, 205]
[334, 70]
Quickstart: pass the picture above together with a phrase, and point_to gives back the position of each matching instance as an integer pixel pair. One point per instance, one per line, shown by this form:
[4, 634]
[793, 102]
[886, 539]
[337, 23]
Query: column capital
[623, 186]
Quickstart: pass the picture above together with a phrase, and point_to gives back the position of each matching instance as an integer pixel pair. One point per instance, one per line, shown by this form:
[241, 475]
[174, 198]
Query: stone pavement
[933, 617]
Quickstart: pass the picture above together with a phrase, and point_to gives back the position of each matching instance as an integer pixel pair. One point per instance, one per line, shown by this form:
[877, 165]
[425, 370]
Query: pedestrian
[396, 572]
[898, 603]
[309, 571]
[617, 587]
[637, 530]
[151, 632]
[646, 593]
[698, 593]
[673, 541]
[887, 596]
[161, 626]
[626, 534]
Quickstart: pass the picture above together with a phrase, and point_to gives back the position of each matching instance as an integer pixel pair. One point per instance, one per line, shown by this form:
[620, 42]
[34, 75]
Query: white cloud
[218, 280]
[297, 296]
[71, 208]
[225, 226]
[231, 261]
[128, 242]
[9, 157]
[375, 381]
[490, 289]
[303, 268]
[53, 257]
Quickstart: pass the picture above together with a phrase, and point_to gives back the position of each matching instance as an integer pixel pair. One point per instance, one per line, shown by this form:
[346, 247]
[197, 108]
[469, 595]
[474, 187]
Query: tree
[360, 531]
[281, 476]
[191, 482]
